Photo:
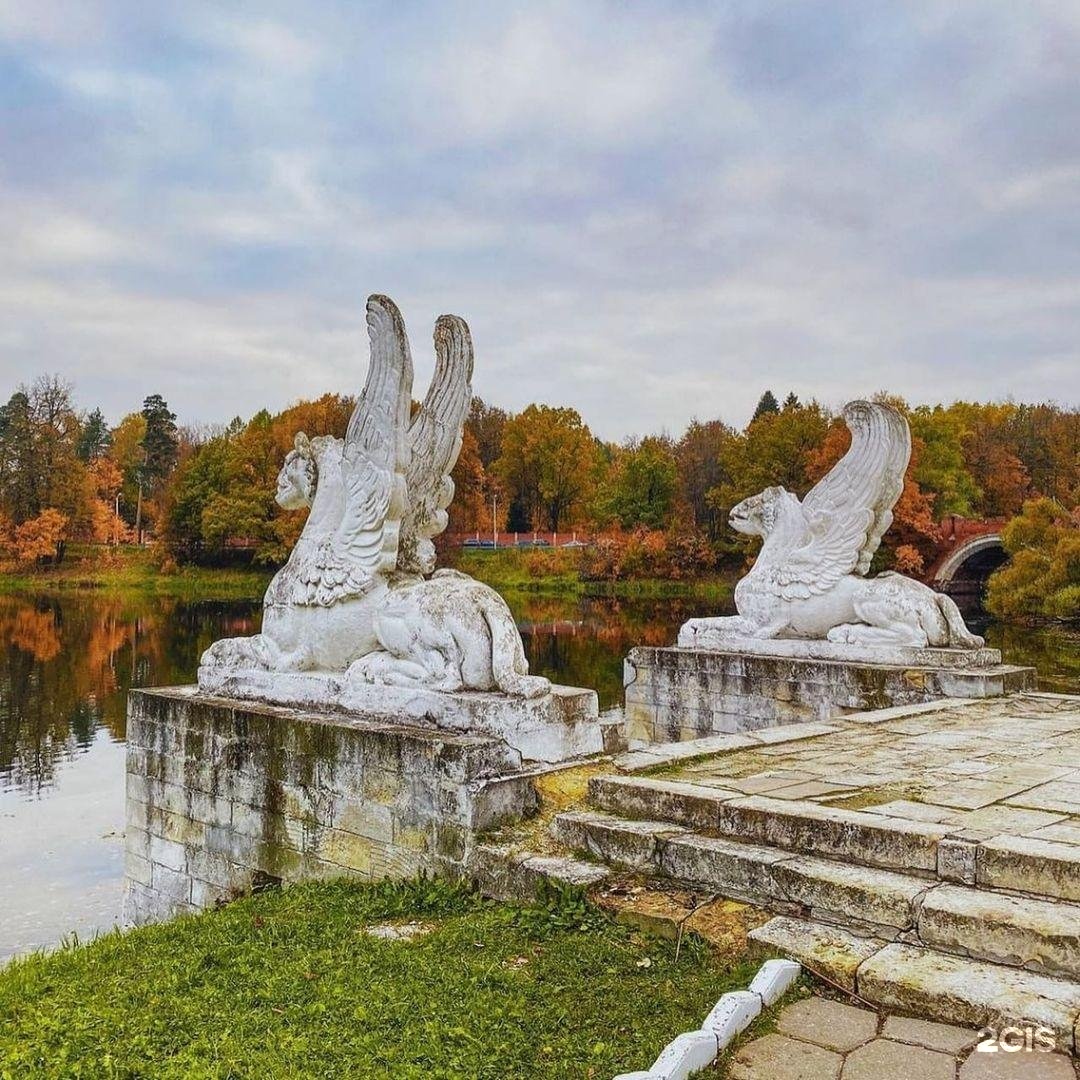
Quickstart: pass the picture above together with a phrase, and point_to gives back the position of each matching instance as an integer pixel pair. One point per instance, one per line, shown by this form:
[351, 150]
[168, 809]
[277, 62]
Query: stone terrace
[926, 858]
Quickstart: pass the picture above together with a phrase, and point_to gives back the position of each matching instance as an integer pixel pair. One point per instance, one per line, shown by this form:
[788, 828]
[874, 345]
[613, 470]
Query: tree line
[207, 494]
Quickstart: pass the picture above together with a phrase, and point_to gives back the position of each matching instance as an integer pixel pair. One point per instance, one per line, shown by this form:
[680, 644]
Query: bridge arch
[971, 563]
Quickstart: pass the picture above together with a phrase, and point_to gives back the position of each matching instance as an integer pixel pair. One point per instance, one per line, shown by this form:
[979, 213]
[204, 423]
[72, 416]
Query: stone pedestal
[224, 796]
[688, 693]
[555, 727]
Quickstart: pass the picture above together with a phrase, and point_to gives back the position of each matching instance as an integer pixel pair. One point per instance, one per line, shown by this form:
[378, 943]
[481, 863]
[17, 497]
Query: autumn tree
[487, 422]
[1042, 577]
[942, 469]
[547, 461]
[700, 455]
[644, 484]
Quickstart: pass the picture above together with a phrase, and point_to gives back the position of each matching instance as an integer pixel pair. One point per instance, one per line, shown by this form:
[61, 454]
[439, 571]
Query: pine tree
[94, 438]
[791, 401]
[160, 443]
[767, 403]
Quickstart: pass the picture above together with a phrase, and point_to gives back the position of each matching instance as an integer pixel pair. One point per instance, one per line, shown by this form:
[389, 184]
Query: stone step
[930, 984]
[1014, 930]
[1042, 935]
[503, 873]
[973, 993]
[850, 835]
[877, 901]
[1043, 868]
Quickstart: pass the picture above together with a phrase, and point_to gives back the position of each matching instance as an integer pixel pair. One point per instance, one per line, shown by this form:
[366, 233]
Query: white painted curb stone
[685, 1055]
[732, 1015]
[774, 979]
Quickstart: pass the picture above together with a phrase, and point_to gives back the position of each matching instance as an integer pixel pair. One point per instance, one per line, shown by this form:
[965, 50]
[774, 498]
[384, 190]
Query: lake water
[67, 664]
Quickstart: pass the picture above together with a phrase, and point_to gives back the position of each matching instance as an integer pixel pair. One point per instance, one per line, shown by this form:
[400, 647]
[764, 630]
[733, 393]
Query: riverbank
[557, 573]
[133, 571]
[137, 571]
[415, 980]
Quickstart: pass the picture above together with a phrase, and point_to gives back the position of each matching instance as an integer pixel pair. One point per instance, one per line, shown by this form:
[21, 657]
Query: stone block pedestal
[678, 693]
[225, 795]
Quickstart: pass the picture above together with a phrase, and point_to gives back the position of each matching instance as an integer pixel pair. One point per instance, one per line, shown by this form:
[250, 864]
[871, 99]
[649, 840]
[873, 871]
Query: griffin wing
[848, 511]
[435, 439]
[374, 458]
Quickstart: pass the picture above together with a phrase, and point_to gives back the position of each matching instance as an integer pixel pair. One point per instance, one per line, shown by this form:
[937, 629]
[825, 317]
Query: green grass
[551, 573]
[135, 571]
[287, 985]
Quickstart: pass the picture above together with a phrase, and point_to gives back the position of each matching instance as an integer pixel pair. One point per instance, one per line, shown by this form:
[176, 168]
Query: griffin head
[757, 515]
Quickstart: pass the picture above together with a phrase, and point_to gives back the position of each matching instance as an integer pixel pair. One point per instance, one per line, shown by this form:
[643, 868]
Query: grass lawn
[289, 985]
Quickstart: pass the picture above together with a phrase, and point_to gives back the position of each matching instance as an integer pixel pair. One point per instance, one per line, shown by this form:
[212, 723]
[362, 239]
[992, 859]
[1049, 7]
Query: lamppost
[494, 520]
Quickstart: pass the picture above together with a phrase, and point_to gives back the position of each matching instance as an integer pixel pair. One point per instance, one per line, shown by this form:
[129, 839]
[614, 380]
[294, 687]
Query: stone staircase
[903, 914]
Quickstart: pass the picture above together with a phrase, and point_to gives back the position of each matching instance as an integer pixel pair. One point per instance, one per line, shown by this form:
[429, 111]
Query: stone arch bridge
[969, 552]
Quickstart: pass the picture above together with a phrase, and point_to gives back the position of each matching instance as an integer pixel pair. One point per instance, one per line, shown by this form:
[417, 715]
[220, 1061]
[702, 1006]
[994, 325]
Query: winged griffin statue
[360, 593]
[809, 580]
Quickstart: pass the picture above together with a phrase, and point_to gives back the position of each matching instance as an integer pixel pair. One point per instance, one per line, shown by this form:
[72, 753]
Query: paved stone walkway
[1003, 767]
[820, 1039]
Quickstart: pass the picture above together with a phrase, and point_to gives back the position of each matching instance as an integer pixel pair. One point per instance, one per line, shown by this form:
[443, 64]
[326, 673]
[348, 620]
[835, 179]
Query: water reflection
[66, 665]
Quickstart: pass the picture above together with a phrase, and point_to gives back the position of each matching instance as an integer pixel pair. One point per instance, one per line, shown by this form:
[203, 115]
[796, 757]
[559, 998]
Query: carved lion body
[354, 594]
[887, 609]
[809, 578]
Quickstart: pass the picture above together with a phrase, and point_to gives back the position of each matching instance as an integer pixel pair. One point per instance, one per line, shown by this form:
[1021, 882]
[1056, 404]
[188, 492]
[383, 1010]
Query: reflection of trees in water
[1053, 651]
[67, 664]
[583, 642]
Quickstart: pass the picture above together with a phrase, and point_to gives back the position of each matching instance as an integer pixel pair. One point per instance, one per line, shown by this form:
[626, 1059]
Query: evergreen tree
[94, 438]
[19, 486]
[791, 401]
[767, 403]
[160, 444]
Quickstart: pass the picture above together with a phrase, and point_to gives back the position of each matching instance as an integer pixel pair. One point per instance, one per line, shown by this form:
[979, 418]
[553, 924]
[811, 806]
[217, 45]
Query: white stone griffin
[355, 594]
[809, 578]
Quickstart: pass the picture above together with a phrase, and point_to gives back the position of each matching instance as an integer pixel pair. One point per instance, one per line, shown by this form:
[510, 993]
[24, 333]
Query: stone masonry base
[224, 796]
[678, 693]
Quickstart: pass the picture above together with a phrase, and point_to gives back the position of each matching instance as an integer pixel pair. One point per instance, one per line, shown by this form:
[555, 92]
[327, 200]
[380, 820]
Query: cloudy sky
[649, 211]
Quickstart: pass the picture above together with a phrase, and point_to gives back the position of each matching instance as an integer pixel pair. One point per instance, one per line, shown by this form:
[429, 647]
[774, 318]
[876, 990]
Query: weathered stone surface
[946, 1038]
[861, 895]
[833, 952]
[508, 875]
[1025, 864]
[886, 1060]
[956, 860]
[743, 870]
[968, 992]
[269, 793]
[635, 844]
[691, 805]
[828, 1023]
[687, 695]
[1022, 931]
[1024, 1065]
[871, 839]
[776, 1057]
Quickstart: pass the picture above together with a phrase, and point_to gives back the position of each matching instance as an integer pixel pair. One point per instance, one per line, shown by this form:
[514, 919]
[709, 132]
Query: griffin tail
[959, 634]
[508, 664]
